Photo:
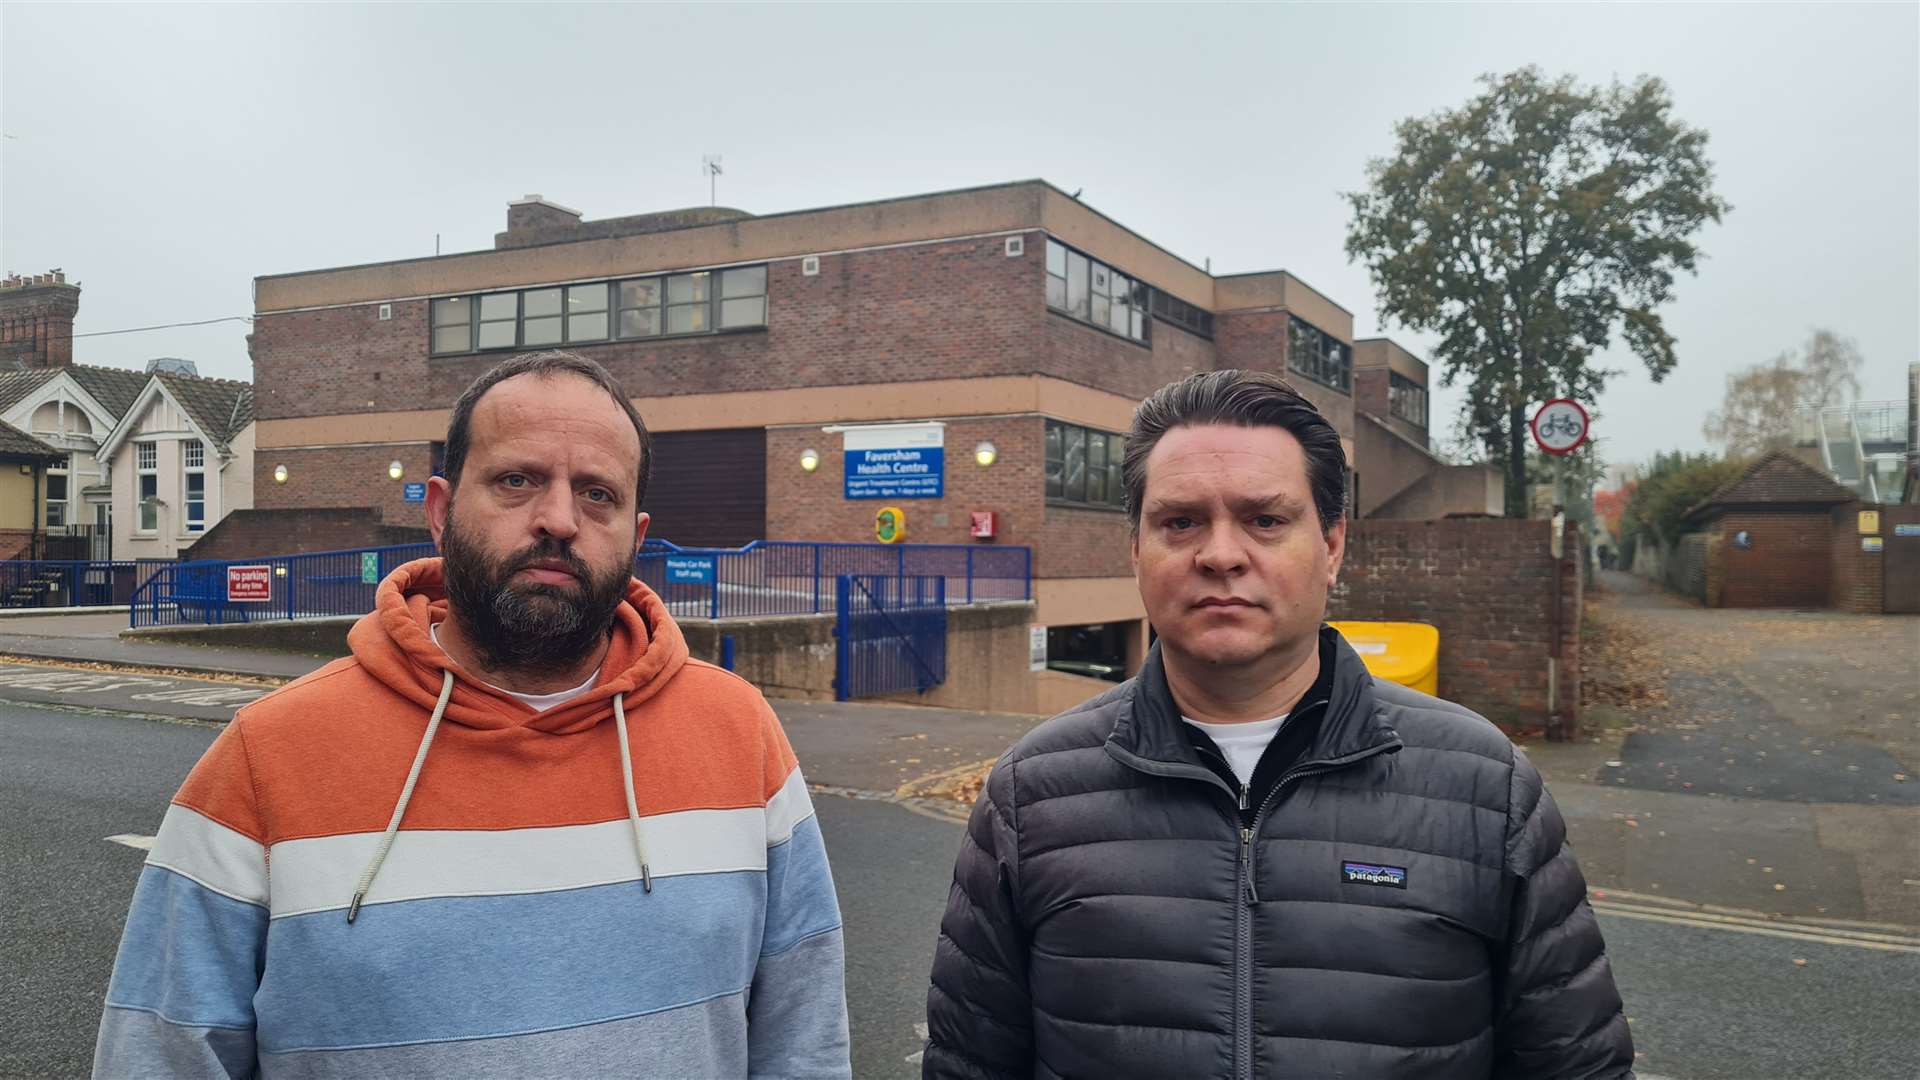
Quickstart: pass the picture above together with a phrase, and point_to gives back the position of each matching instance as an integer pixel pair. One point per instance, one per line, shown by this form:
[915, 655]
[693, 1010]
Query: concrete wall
[1447, 489]
[792, 656]
[1490, 588]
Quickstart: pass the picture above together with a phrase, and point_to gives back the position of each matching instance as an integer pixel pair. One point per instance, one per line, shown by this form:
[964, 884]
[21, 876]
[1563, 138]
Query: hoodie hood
[392, 644]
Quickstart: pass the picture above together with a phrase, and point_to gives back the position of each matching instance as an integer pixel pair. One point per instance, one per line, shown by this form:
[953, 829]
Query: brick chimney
[36, 320]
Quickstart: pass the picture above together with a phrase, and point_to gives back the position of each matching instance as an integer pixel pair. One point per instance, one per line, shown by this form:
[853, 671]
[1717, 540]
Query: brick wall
[1489, 586]
[344, 476]
[1790, 562]
[36, 320]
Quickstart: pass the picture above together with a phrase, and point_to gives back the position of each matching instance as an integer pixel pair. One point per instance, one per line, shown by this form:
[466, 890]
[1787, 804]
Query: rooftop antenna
[710, 164]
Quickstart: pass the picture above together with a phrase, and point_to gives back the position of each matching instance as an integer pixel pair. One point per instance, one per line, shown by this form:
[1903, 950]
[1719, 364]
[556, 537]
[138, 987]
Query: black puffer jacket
[1398, 900]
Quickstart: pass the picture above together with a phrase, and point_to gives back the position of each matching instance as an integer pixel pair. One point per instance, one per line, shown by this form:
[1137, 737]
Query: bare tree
[1757, 413]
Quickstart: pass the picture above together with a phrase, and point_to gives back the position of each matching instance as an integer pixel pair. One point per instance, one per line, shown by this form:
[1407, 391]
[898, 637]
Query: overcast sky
[165, 155]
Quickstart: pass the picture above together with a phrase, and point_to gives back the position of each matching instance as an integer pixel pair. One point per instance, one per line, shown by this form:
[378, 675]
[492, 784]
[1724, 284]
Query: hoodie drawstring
[633, 807]
[406, 795]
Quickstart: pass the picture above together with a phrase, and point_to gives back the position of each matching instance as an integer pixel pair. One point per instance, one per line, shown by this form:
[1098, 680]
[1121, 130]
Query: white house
[72, 409]
[179, 460]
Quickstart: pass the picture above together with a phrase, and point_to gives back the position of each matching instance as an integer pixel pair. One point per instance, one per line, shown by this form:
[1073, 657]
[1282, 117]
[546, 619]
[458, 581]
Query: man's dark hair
[1247, 399]
[545, 364]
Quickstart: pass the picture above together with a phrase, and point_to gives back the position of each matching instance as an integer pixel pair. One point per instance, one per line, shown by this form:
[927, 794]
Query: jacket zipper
[1250, 896]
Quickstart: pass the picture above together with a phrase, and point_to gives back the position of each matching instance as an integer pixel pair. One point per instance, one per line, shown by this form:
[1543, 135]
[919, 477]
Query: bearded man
[517, 832]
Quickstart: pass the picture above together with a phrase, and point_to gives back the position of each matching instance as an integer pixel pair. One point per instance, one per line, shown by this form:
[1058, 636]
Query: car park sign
[1560, 426]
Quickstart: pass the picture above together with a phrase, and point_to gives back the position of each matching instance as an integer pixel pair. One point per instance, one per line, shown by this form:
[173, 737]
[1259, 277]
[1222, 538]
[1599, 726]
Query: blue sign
[689, 569]
[414, 492]
[916, 472]
[1906, 530]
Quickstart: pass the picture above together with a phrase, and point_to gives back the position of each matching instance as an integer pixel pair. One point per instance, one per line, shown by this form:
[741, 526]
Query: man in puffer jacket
[1253, 860]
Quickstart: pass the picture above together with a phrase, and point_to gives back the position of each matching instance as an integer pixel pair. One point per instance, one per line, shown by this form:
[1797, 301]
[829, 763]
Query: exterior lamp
[395, 470]
[985, 454]
[809, 459]
[279, 474]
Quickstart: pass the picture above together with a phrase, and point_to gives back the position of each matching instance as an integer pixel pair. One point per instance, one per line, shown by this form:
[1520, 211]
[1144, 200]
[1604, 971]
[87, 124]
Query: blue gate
[892, 633]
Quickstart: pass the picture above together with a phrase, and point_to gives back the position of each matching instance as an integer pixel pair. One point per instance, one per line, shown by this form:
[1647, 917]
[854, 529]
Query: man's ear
[640, 522]
[439, 506]
[1336, 550]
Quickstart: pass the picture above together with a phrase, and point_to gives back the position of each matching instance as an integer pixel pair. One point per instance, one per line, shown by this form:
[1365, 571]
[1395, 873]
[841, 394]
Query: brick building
[1011, 316]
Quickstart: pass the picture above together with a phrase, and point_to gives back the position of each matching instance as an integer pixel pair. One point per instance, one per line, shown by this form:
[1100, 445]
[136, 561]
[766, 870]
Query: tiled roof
[1778, 478]
[15, 443]
[221, 407]
[114, 388]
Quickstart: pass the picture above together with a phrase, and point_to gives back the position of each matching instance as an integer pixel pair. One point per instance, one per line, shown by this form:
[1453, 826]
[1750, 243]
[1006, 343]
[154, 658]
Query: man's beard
[528, 627]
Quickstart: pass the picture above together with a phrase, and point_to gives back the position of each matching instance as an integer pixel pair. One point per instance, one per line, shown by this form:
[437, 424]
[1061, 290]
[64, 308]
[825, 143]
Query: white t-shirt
[1242, 743]
[536, 702]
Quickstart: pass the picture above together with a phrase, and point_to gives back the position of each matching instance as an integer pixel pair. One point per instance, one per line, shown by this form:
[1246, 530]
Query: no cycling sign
[1560, 426]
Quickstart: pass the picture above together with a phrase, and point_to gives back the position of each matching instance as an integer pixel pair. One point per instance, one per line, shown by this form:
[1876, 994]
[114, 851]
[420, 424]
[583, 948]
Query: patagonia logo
[1360, 873]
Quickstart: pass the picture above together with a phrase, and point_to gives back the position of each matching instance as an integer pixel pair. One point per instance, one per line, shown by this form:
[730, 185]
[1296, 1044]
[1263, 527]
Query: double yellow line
[1659, 909]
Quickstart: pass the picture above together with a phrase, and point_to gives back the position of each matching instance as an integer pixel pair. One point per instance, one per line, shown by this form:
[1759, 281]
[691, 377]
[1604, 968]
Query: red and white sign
[1560, 426]
[986, 524]
[249, 584]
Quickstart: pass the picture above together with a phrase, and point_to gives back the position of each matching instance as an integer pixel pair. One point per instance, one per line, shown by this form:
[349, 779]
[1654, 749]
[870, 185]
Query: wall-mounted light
[395, 470]
[279, 571]
[809, 459]
[986, 454]
[279, 474]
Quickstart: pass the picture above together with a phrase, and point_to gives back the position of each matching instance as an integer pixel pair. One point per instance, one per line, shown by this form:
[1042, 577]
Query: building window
[1095, 293]
[1182, 314]
[146, 462]
[1407, 399]
[1318, 355]
[453, 325]
[1083, 466]
[703, 302]
[56, 498]
[193, 459]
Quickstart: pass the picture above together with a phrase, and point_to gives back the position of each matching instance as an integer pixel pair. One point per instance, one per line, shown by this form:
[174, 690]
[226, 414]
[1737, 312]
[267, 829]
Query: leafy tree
[1523, 227]
[1674, 484]
[1758, 412]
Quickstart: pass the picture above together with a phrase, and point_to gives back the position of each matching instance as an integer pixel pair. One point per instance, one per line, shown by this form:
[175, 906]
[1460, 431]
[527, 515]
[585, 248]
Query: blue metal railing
[794, 577]
[766, 577]
[892, 634]
[297, 587]
[50, 583]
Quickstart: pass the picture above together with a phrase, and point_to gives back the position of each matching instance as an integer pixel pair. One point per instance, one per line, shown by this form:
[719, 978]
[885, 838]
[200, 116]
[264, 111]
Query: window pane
[747, 281]
[643, 322]
[538, 332]
[1056, 259]
[539, 302]
[686, 288]
[196, 485]
[149, 513]
[1054, 455]
[451, 311]
[1102, 280]
[56, 486]
[1116, 451]
[1102, 309]
[1139, 327]
[751, 311]
[1117, 320]
[448, 339]
[1077, 295]
[1096, 467]
[645, 293]
[1056, 292]
[1074, 483]
[591, 326]
[687, 318]
[499, 306]
[584, 298]
[499, 335]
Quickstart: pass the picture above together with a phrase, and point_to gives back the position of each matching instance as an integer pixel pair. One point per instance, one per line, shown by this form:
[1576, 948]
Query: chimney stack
[36, 320]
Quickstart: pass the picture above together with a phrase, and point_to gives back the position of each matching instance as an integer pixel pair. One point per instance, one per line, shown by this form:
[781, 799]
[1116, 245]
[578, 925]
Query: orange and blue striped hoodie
[389, 867]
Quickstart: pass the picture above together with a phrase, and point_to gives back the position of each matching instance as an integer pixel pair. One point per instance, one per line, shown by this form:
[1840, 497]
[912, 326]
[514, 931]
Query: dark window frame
[1139, 294]
[1303, 338]
[1401, 389]
[1189, 317]
[1113, 484]
[613, 311]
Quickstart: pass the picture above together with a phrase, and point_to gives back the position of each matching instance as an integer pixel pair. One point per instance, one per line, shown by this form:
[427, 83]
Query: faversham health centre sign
[895, 461]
